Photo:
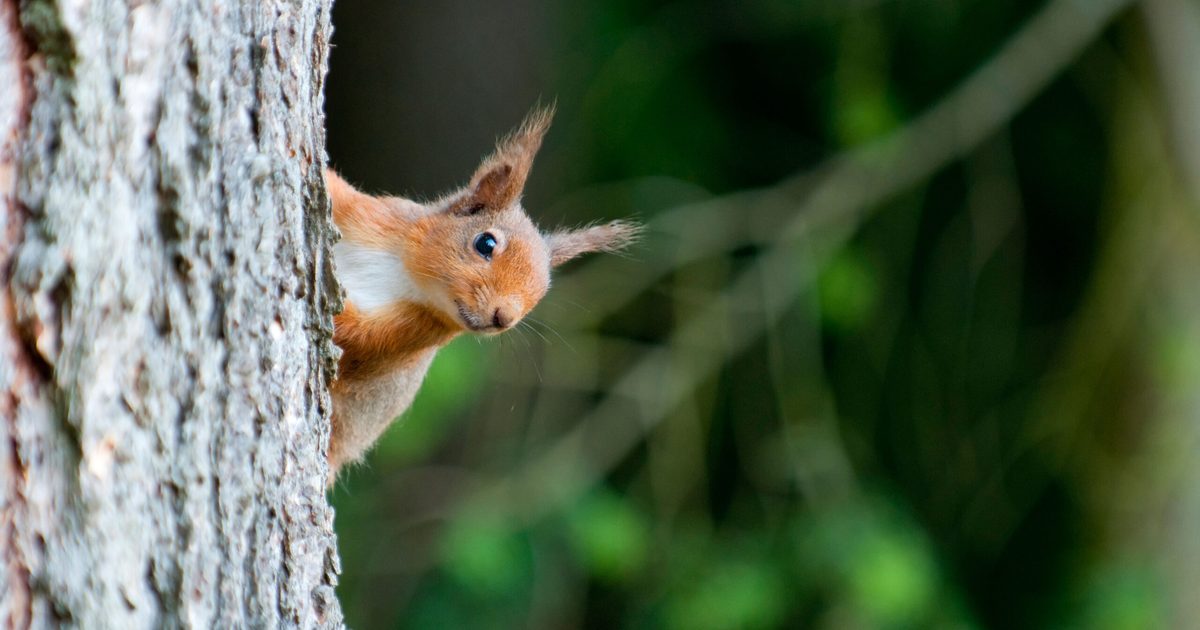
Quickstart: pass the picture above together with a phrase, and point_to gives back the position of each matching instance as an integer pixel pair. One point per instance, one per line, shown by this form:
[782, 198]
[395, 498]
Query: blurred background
[913, 339]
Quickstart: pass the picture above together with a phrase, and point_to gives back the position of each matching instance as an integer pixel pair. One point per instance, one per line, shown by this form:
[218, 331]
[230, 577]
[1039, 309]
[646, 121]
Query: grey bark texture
[166, 315]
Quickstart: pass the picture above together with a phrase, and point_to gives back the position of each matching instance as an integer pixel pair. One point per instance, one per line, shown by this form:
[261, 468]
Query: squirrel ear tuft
[499, 180]
[607, 237]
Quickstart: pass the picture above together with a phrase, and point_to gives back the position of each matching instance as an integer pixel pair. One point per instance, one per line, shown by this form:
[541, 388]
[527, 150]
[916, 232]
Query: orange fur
[366, 219]
[374, 343]
[443, 286]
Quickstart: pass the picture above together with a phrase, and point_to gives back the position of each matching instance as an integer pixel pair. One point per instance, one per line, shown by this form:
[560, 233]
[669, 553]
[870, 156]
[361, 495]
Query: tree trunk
[166, 316]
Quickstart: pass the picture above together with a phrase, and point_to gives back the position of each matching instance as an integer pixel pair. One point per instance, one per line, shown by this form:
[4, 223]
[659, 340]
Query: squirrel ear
[499, 180]
[608, 237]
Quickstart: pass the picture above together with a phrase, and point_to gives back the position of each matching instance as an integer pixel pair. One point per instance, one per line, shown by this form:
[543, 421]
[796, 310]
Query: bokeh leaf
[738, 593]
[609, 535]
[485, 554]
[849, 290]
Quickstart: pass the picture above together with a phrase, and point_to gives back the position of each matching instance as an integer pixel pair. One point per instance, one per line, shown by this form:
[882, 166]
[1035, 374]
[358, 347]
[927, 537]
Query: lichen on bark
[167, 315]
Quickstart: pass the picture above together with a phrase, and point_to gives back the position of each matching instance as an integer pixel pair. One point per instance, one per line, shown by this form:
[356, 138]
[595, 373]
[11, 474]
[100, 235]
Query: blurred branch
[1174, 29]
[825, 206]
[856, 180]
[1133, 259]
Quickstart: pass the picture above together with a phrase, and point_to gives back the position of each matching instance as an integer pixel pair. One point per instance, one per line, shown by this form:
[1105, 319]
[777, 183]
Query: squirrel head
[474, 256]
[483, 260]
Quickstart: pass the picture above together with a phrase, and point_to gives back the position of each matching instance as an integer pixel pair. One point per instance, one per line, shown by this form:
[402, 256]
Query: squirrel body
[418, 275]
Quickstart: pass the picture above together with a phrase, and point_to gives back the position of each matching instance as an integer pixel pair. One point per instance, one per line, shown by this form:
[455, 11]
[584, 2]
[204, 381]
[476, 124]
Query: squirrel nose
[501, 320]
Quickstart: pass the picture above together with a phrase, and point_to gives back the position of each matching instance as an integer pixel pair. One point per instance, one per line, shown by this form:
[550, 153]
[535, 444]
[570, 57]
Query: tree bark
[166, 315]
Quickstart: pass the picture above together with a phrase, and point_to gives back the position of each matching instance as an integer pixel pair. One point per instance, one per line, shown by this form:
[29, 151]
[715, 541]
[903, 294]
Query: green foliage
[485, 554]
[739, 593]
[862, 108]
[849, 291]
[610, 536]
[1006, 343]
[876, 562]
[1123, 598]
[890, 578]
[1178, 356]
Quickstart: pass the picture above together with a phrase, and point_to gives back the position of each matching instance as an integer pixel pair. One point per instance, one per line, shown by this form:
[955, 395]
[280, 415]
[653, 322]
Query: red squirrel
[416, 275]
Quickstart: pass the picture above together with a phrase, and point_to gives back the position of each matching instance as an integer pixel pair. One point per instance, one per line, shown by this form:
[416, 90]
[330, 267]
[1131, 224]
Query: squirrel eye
[485, 244]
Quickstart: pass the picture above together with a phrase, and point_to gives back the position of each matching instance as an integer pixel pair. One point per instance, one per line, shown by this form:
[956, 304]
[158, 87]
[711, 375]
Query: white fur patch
[373, 278]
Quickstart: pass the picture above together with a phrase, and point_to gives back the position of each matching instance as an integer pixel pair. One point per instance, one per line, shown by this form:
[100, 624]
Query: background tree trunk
[166, 316]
